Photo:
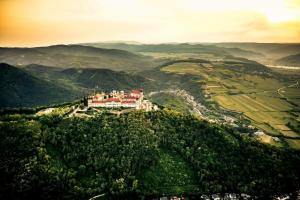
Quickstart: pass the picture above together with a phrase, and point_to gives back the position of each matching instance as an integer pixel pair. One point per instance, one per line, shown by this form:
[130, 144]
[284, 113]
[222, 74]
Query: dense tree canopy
[53, 157]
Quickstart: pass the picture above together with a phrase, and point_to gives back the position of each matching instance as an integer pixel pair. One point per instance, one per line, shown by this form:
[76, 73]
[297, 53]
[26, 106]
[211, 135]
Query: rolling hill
[35, 85]
[90, 78]
[292, 60]
[181, 48]
[283, 49]
[68, 56]
[44, 72]
[104, 79]
[271, 51]
[20, 88]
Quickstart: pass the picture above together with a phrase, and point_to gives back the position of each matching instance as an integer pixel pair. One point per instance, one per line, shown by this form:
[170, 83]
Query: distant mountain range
[180, 48]
[68, 56]
[274, 53]
[274, 49]
[120, 56]
[267, 53]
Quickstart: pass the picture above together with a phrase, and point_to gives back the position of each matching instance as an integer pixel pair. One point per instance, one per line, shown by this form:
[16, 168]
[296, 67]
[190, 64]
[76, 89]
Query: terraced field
[255, 95]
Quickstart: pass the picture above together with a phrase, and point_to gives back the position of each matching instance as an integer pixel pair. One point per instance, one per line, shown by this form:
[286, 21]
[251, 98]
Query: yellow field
[274, 114]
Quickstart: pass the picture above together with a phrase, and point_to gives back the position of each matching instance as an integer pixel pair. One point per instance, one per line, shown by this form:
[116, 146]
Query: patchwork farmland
[269, 102]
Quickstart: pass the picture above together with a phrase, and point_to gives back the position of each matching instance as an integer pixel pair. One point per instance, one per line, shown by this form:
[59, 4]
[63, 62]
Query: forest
[54, 157]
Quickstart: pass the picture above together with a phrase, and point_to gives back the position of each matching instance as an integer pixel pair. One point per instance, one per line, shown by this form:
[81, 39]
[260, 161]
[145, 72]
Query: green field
[255, 95]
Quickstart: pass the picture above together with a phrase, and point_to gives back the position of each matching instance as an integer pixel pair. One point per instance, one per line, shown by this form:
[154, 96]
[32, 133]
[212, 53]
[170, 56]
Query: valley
[150, 100]
[215, 85]
[216, 116]
[257, 96]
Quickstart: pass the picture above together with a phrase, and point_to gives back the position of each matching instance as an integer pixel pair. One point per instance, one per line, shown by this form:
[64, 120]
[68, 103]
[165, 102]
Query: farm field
[254, 95]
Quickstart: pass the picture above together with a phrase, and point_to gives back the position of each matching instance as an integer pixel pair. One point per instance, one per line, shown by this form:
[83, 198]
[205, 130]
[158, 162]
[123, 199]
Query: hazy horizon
[32, 23]
[142, 43]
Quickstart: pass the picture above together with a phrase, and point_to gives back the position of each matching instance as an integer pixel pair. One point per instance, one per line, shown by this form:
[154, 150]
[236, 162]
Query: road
[278, 91]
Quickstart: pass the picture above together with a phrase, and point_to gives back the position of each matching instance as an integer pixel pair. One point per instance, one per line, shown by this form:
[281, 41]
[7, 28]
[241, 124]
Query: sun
[280, 15]
[278, 12]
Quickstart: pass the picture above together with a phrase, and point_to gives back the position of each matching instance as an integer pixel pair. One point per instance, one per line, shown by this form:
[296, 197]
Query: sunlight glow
[278, 12]
[35, 22]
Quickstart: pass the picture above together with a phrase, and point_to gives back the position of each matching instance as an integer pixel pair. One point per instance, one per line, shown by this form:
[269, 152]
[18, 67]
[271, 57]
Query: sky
[27, 23]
